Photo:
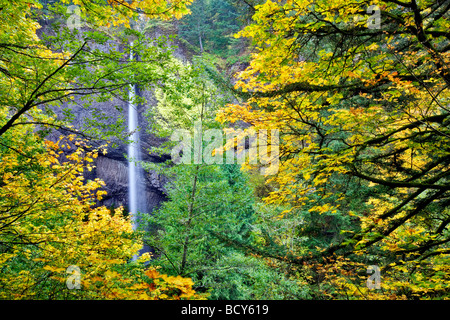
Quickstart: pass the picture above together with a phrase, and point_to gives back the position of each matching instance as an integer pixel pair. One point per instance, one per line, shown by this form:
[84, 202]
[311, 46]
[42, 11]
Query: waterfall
[132, 151]
[136, 183]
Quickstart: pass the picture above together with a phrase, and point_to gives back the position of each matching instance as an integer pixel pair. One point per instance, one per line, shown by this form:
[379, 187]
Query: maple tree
[203, 198]
[358, 103]
[359, 92]
[49, 220]
[64, 61]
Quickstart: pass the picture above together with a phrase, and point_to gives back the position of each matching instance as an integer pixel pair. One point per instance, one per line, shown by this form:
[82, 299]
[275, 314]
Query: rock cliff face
[112, 166]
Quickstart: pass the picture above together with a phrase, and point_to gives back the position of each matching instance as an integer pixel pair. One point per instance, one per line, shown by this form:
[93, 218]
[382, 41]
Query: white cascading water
[132, 150]
[136, 187]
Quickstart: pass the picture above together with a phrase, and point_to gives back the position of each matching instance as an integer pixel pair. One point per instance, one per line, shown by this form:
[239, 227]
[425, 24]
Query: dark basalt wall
[111, 167]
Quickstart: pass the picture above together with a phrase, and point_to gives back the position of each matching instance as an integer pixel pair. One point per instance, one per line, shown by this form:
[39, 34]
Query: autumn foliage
[358, 105]
[50, 220]
[358, 91]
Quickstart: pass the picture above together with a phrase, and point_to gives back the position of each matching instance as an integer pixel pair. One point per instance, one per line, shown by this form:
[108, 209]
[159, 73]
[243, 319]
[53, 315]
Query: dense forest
[296, 149]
